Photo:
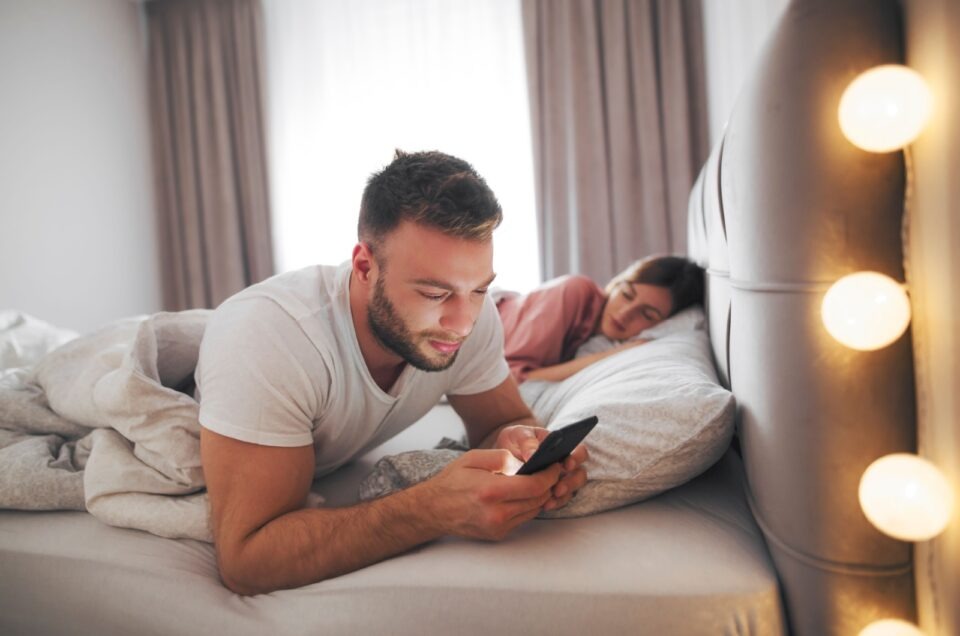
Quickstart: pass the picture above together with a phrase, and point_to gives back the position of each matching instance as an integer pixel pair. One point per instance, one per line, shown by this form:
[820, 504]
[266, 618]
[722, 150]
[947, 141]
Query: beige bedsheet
[688, 562]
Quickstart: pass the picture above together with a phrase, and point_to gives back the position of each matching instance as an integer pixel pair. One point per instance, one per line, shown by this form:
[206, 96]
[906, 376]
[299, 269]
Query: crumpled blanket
[107, 423]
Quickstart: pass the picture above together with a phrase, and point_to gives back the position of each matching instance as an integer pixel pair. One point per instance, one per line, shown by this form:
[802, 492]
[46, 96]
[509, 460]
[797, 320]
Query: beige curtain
[206, 80]
[619, 121]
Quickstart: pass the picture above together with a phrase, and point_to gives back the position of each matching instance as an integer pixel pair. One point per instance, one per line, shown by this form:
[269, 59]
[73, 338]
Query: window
[350, 81]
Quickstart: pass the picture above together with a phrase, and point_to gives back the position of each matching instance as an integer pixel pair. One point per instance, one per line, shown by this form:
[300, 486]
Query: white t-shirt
[280, 365]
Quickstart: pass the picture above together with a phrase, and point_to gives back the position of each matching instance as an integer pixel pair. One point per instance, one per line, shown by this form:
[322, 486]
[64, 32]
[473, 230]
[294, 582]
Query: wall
[77, 233]
[933, 261]
[734, 31]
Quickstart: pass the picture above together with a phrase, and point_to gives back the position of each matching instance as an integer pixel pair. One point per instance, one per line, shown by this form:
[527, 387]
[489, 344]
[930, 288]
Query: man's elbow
[239, 576]
[238, 582]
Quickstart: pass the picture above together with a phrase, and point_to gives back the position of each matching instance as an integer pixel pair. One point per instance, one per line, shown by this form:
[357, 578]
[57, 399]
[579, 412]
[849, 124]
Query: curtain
[619, 122]
[351, 81]
[206, 78]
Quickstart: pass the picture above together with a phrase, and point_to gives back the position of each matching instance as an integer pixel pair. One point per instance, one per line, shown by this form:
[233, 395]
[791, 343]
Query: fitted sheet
[691, 561]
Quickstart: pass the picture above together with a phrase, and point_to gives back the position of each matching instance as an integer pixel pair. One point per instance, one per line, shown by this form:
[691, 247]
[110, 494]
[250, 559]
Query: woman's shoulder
[573, 286]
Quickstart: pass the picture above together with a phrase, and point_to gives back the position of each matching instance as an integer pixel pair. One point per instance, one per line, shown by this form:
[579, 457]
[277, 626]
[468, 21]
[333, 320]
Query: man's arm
[266, 540]
[499, 418]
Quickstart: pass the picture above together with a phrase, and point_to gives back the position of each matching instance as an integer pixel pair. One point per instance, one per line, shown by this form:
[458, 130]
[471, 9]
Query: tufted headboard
[785, 206]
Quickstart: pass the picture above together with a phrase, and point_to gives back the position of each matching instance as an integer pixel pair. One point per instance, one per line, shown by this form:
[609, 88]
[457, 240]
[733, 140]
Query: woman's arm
[560, 372]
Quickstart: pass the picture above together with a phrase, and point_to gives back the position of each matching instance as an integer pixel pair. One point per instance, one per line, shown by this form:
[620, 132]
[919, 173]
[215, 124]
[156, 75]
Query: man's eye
[482, 292]
[432, 296]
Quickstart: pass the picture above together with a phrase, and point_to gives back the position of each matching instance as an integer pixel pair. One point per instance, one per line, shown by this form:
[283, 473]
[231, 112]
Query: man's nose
[458, 317]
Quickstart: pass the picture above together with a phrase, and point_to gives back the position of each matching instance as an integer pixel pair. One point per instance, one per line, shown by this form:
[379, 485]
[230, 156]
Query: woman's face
[633, 307]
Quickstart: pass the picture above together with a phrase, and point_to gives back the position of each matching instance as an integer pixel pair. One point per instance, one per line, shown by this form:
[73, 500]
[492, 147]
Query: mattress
[691, 561]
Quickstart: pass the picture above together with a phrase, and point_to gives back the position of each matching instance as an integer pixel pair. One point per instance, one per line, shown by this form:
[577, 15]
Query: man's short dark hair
[431, 188]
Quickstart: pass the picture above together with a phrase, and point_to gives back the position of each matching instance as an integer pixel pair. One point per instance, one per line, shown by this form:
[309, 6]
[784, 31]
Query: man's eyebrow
[439, 284]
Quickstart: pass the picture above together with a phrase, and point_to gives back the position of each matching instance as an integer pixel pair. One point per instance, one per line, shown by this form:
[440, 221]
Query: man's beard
[390, 330]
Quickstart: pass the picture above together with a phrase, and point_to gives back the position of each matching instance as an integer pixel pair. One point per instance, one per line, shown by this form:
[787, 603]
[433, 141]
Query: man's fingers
[525, 506]
[496, 460]
[528, 447]
[570, 483]
[520, 487]
[524, 517]
[579, 454]
[555, 503]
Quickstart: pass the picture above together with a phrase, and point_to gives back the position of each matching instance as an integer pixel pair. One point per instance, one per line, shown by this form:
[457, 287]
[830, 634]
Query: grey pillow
[664, 419]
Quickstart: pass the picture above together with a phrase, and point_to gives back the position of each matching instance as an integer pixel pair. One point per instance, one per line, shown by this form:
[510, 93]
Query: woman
[543, 329]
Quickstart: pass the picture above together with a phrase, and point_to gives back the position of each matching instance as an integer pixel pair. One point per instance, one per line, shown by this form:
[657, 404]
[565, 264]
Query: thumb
[496, 460]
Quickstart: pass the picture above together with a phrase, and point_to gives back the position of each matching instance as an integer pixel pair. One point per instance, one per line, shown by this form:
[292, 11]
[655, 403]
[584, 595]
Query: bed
[769, 540]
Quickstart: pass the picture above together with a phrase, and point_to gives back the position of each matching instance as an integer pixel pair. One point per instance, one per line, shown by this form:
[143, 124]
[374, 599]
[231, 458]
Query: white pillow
[663, 419]
[686, 320]
[24, 340]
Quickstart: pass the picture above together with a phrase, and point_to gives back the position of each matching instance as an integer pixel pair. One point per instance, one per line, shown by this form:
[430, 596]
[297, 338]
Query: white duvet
[97, 423]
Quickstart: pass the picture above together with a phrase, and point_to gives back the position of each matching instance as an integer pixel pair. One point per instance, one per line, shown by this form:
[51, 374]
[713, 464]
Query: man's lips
[445, 347]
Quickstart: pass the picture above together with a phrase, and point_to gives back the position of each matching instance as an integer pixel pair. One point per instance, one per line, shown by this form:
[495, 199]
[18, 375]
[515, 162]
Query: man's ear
[364, 264]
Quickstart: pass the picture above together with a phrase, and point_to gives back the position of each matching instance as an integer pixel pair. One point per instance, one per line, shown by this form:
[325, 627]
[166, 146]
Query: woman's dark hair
[431, 188]
[683, 277]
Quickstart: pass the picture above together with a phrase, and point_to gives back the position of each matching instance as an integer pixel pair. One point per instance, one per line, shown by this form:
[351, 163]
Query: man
[301, 373]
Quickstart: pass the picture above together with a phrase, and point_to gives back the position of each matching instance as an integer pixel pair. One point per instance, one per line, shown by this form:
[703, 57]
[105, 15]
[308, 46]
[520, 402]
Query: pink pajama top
[546, 326]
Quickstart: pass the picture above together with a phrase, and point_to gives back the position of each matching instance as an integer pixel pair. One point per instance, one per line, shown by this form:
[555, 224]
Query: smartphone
[556, 446]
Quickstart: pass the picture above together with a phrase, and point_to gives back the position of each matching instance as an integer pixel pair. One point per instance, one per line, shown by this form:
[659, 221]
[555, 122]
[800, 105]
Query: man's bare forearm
[310, 545]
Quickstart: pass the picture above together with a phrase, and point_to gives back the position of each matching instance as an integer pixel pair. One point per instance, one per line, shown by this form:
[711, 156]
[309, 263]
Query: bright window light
[350, 81]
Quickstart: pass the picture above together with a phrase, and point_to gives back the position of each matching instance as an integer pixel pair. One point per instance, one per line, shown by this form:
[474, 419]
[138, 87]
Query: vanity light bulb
[906, 497]
[891, 627]
[866, 310]
[885, 108]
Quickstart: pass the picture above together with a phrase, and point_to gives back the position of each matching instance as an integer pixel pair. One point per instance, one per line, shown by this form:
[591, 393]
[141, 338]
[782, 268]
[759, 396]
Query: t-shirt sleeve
[480, 365]
[539, 325]
[260, 379]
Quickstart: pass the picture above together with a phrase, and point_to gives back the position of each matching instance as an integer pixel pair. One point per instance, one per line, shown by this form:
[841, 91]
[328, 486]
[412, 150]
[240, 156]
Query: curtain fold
[619, 119]
[206, 79]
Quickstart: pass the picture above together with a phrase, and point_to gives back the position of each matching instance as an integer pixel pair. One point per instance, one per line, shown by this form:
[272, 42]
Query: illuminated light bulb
[906, 497]
[866, 310]
[885, 108]
[891, 627]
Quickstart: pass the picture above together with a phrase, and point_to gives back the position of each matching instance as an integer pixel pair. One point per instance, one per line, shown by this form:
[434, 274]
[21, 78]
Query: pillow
[686, 320]
[25, 339]
[663, 420]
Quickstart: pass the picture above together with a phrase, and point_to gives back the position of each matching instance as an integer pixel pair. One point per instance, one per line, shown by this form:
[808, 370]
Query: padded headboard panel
[784, 207]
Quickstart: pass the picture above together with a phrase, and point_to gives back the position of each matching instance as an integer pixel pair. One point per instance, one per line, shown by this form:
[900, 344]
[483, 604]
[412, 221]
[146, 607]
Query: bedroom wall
[77, 236]
[933, 262]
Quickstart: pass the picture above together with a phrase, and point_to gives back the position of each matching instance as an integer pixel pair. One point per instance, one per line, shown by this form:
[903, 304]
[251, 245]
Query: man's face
[425, 302]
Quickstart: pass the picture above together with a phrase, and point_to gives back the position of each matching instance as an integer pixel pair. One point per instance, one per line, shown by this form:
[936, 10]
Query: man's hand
[475, 496]
[523, 441]
[489, 418]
